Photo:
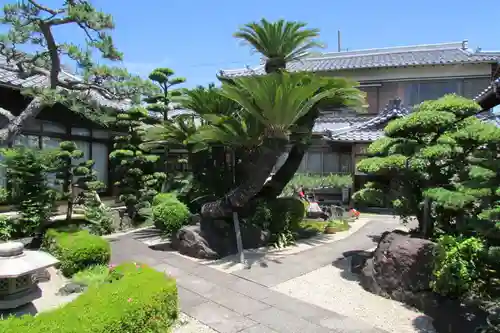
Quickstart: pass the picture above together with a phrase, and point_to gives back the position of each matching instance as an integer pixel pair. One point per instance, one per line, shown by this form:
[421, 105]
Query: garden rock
[71, 288]
[401, 269]
[400, 264]
[216, 239]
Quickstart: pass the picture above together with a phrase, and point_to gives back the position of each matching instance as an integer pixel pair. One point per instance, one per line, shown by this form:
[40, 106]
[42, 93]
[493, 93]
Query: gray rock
[216, 239]
[400, 263]
[71, 288]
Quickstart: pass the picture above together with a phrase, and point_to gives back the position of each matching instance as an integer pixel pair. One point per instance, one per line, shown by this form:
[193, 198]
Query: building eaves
[417, 55]
[12, 78]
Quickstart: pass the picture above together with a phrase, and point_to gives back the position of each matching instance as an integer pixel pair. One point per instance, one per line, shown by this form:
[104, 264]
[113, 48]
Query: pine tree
[31, 26]
[136, 171]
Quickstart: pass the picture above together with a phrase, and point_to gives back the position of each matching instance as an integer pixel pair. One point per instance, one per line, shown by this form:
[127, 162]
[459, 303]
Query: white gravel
[187, 324]
[337, 290]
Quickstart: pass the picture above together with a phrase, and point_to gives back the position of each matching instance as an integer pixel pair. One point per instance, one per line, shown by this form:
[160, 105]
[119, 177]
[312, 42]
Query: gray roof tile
[432, 54]
[369, 130]
[13, 78]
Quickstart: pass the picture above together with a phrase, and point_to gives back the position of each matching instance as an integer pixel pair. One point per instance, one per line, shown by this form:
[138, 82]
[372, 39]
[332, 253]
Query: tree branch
[45, 9]
[7, 114]
[55, 67]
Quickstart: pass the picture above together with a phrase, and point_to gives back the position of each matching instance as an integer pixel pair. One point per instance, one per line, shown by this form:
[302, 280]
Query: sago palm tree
[279, 42]
[276, 102]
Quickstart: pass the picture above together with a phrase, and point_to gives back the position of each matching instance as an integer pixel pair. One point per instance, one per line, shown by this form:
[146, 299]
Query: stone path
[242, 301]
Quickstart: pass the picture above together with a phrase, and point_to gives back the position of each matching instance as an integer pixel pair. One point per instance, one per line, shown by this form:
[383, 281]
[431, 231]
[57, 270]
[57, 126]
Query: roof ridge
[394, 49]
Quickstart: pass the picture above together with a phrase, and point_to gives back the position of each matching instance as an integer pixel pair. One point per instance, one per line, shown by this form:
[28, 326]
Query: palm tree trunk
[262, 163]
[275, 186]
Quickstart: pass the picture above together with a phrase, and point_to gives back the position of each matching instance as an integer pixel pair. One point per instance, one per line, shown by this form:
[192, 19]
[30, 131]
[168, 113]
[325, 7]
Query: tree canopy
[29, 49]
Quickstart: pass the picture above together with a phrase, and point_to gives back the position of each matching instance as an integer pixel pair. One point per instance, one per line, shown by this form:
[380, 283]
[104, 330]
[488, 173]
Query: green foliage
[282, 217]
[6, 228]
[27, 171]
[73, 172]
[162, 101]
[443, 152]
[313, 182]
[163, 197]
[31, 25]
[169, 214]
[4, 195]
[140, 299]
[457, 265]
[92, 276]
[279, 42]
[136, 171]
[339, 225]
[100, 219]
[77, 250]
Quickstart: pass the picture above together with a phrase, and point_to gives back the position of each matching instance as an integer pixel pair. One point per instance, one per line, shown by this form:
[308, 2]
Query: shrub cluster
[77, 250]
[136, 299]
[169, 214]
[281, 217]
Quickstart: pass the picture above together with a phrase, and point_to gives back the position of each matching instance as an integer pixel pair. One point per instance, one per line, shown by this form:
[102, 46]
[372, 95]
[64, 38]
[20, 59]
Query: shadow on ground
[28, 309]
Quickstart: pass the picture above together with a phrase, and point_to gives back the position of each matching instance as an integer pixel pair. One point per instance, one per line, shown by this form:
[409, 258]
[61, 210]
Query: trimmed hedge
[137, 299]
[76, 250]
[169, 214]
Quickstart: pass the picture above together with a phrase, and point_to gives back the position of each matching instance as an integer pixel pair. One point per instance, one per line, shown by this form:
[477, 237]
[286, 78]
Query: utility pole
[338, 41]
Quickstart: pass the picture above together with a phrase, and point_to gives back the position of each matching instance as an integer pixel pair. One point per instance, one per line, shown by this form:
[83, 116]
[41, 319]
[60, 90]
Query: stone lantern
[18, 285]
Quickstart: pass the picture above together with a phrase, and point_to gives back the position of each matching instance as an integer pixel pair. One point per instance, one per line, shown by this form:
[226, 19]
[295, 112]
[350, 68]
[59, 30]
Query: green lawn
[319, 226]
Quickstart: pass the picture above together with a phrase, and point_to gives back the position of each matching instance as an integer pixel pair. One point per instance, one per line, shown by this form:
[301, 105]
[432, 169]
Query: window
[371, 98]
[80, 131]
[472, 87]
[29, 141]
[345, 163]
[50, 127]
[314, 164]
[330, 162]
[100, 158]
[51, 143]
[389, 91]
[436, 89]
[302, 166]
[100, 134]
[3, 173]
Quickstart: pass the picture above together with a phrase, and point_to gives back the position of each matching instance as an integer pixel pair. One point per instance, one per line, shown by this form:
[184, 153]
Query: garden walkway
[242, 301]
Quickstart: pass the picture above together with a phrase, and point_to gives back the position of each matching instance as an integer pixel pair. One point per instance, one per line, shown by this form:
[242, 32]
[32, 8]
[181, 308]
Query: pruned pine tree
[30, 49]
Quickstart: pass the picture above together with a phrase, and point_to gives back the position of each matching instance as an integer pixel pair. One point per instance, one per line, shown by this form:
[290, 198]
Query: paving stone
[213, 275]
[250, 289]
[179, 261]
[189, 299]
[237, 302]
[220, 318]
[196, 284]
[259, 328]
[284, 322]
[173, 271]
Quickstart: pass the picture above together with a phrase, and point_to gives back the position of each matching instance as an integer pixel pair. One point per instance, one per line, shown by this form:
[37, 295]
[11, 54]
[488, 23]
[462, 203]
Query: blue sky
[194, 37]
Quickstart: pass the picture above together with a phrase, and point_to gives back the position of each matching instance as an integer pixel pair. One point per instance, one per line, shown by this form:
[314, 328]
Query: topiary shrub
[76, 250]
[169, 214]
[139, 299]
[163, 197]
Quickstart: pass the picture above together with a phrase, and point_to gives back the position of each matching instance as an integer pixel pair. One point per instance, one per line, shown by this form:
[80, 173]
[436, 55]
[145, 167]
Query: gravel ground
[338, 290]
[188, 324]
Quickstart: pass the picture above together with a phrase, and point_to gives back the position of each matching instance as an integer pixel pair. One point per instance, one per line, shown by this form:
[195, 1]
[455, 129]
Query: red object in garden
[354, 212]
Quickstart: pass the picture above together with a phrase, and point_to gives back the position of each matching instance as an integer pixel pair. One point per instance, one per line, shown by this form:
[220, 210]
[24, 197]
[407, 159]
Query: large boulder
[216, 239]
[401, 269]
[401, 266]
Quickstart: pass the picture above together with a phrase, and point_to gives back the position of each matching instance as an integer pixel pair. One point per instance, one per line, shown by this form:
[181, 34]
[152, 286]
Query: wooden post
[239, 242]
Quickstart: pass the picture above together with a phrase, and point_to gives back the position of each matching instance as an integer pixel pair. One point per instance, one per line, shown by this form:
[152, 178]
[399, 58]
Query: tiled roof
[430, 54]
[369, 130]
[12, 78]
[487, 90]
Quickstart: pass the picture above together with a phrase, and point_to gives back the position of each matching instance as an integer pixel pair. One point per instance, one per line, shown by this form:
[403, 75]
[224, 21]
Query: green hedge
[169, 214]
[139, 300]
[77, 250]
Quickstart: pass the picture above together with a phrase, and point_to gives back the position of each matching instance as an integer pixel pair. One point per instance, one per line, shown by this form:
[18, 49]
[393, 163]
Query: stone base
[21, 298]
